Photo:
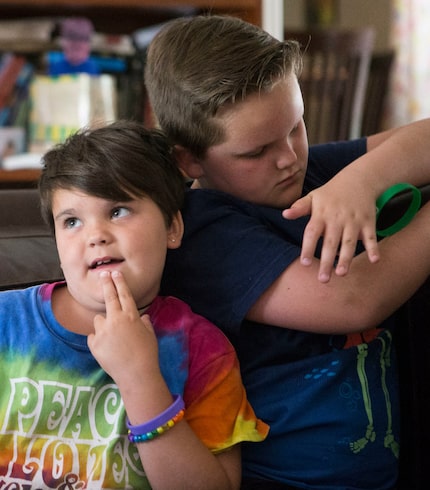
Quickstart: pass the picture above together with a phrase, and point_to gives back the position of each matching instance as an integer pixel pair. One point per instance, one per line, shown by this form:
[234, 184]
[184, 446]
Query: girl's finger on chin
[109, 291]
[125, 296]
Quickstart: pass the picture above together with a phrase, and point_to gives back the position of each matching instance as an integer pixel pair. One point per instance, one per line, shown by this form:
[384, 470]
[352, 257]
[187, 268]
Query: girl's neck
[70, 314]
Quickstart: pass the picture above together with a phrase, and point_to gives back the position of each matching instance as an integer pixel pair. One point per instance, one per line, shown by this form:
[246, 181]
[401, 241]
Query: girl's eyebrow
[65, 212]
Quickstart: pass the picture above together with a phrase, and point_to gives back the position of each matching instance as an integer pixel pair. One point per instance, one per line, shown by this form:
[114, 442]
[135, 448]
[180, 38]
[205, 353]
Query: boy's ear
[175, 231]
[187, 162]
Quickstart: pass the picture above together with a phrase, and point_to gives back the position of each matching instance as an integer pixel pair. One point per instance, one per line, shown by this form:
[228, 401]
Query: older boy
[316, 356]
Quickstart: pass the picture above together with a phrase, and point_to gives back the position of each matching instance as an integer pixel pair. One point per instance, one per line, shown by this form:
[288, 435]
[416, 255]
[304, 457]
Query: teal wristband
[407, 216]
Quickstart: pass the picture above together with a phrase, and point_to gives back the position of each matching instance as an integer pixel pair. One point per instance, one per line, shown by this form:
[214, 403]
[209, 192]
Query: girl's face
[95, 234]
[264, 156]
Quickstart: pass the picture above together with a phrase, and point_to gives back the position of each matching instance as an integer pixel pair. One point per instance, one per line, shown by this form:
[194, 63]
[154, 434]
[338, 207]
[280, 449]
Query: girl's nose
[98, 235]
[97, 241]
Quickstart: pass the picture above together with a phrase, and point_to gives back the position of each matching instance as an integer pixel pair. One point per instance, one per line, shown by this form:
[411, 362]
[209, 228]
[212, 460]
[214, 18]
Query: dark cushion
[28, 254]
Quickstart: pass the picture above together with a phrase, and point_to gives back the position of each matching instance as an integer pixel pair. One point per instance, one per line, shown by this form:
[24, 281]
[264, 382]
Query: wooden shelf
[19, 178]
[249, 10]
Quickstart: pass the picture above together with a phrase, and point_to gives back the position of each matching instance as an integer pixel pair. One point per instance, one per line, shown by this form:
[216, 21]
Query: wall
[351, 13]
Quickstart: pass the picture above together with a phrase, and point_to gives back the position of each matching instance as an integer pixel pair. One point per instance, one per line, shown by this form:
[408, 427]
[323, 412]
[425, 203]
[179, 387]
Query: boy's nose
[287, 156]
[286, 159]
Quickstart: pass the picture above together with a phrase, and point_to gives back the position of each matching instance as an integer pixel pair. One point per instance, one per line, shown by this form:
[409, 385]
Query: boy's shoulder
[327, 159]
[337, 153]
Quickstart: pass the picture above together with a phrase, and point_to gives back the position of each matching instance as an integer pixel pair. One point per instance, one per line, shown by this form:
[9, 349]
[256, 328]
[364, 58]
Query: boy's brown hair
[196, 65]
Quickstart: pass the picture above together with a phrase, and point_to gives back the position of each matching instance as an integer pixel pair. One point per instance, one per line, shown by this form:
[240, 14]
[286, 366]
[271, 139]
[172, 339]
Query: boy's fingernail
[341, 270]
[323, 277]
[104, 274]
[306, 261]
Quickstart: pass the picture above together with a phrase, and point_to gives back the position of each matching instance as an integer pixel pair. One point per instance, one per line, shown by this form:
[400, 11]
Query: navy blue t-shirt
[331, 400]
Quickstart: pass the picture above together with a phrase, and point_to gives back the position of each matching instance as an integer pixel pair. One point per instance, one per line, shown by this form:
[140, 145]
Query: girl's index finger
[123, 293]
[110, 293]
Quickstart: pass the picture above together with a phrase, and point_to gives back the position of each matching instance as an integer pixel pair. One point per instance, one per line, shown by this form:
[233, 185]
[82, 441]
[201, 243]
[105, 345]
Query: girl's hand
[341, 216]
[123, 343]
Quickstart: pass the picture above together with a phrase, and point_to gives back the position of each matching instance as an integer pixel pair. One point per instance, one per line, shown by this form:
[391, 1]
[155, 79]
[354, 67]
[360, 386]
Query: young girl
[105, 384]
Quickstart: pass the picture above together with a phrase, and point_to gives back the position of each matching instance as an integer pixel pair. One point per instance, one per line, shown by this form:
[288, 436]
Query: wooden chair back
[334, 79]
[376, 94]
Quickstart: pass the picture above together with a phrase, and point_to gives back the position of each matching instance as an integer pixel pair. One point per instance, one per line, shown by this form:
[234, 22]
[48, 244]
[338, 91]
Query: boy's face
[264, 156]
[95, 234]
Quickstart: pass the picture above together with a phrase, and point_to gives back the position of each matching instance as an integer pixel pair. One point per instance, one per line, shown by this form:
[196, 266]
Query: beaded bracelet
[158, 425]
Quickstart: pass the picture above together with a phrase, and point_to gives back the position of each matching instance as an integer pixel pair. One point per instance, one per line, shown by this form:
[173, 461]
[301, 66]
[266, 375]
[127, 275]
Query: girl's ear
[187, 162]
[175, 231]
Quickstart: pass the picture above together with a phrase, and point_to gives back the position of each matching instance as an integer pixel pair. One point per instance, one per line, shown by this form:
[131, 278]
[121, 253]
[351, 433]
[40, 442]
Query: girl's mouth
[105, 261]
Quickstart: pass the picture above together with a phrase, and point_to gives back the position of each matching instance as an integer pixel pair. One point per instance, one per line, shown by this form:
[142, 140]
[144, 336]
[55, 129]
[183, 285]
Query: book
[61, 105]
[9, 72]
[16, 109]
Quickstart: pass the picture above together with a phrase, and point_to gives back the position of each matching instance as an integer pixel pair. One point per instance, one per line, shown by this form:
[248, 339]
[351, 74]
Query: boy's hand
[124, 344]
[341, 217]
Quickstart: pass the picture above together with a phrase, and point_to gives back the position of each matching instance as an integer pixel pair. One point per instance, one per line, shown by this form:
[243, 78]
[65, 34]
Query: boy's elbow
[363, 313]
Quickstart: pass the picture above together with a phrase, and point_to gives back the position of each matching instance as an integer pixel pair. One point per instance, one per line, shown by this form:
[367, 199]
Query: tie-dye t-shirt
[62, 421]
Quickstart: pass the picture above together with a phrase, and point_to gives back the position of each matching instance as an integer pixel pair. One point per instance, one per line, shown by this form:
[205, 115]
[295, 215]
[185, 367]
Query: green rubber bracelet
[414, 206]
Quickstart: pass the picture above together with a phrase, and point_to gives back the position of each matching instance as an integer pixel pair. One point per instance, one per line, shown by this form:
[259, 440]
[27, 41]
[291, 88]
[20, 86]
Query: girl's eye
[71, 223]
[120, 212]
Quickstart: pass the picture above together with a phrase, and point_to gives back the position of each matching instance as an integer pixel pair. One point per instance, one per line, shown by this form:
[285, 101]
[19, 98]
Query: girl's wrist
[159, 424]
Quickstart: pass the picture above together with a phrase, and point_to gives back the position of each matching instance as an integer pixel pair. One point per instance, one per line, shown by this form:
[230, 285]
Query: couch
[28, 256]
[27, 247]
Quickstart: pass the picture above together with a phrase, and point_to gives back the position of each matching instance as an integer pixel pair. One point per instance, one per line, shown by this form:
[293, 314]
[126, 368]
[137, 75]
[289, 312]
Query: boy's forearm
[363, 298]
[343, 210]
[403, 267]
[399, 155]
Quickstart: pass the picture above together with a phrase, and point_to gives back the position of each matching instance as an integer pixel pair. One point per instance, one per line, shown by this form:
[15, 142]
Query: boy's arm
[343, 210]
[357, 301]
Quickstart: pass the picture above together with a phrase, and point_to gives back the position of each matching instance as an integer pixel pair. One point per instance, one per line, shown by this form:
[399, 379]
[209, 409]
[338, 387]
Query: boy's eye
[257, 153]
[71, 222]
[120, 211]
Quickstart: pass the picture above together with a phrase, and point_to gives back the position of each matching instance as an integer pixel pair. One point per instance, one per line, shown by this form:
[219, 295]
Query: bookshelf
[114, 17]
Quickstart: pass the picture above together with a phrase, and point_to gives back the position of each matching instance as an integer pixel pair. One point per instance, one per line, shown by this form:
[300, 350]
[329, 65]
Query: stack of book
[16, 73]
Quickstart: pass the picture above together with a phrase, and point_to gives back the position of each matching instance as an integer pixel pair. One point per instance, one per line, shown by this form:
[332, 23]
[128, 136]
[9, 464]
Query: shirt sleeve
[232, 251]
[217, 407]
